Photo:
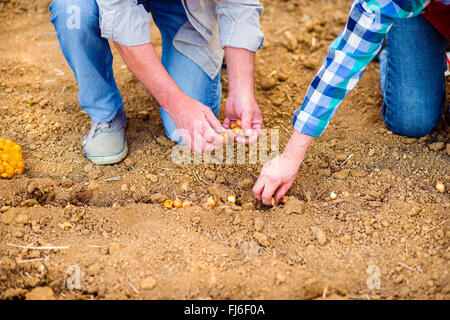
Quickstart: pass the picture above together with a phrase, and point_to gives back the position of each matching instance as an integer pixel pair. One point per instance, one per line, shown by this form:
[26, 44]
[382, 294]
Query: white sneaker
[106, 142]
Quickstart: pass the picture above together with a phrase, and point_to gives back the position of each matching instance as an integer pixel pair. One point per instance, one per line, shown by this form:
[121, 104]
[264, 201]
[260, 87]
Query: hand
[278, 175]
[246, 109]
[197, 125]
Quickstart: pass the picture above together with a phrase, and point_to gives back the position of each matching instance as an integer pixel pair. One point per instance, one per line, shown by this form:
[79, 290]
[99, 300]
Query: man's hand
[241, 103]
[196, 123]
[278, 175]
[246, 109]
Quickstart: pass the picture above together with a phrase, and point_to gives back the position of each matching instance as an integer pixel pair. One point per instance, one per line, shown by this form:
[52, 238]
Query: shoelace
[103, 125]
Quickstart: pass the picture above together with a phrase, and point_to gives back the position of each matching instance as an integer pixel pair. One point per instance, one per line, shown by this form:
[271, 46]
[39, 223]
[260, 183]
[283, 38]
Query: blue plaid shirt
[348, 57]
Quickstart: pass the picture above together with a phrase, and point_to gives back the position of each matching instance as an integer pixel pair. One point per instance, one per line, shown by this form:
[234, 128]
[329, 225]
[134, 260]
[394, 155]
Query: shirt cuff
[308, 124]
[243, 32]
[128, 26]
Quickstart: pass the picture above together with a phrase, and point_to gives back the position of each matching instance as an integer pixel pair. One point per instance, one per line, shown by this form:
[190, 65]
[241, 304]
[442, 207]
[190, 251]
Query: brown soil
[128, 246]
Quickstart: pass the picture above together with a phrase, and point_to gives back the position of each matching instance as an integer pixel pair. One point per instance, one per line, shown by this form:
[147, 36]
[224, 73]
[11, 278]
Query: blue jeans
[91, 59]
[412, 68]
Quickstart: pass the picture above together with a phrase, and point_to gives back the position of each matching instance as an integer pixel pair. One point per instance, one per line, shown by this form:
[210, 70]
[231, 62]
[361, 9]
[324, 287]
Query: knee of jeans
[74, 14]
[413, 115]
[413, 125]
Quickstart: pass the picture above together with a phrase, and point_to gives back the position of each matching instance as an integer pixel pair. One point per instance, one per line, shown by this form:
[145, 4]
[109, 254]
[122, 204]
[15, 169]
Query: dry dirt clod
[319, 234]
[245, 184]
[341, 174]
[152, 177]
[259, 223]
[148, 283]
[158, 198]
[129, 162]
[94, 269]
[268, 83]
[13, 293]
[293, 205]
[22, 219]
[165, 141]
[4, 209]
[29, 203]
[40, 293]
[210, 175]
[436, 146]
[261, 238]
[290, 41]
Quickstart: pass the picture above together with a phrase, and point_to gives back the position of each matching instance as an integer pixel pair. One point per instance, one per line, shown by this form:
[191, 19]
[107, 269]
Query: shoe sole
[109, 159]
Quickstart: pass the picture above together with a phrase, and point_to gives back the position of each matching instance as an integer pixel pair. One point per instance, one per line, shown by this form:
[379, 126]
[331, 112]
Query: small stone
[94, 269]
[29, 203]
[31, 187]
[341, 174]
[268, 83]
[261, 238]
[436, 146]
[414, 211]
[245, 183]
[341, 157]
[346, 239]
[66, 183]
[152, 177]
[290, 41]
[409, 140]
[158, 198]
[14, 293]
[210, 175]
[282, 76]
[375, 204]
[399, 279]
[319, 234]
[165, 141]
[259, 223]
[4, 209]
[144, 115]
[129, 162]
[40, 293]
[88, 168]
[148, 283]
[280, 278]
[22, 219]
[7, 264]
[93, 186]
[293, 205]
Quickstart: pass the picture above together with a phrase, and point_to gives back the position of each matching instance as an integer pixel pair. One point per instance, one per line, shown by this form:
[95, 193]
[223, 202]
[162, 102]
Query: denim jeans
[412, 68]
[90, 58]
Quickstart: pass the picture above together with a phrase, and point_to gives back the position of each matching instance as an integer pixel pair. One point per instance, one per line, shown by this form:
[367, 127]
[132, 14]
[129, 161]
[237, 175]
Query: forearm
[297, 146]
[145, 64]
[240, 70]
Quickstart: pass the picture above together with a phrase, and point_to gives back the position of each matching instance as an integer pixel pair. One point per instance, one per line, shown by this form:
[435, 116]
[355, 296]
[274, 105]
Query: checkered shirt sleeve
[348, 57]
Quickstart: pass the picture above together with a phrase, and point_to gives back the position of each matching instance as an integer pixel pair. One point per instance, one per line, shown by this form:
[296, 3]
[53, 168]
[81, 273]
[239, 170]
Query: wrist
[297, 146]
[174, 101]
